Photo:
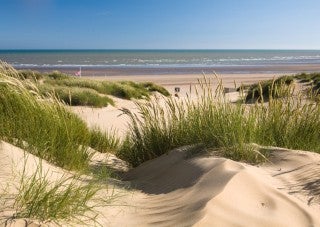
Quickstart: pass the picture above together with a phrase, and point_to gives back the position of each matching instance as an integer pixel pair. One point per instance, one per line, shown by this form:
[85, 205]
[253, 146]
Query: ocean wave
[175, 62]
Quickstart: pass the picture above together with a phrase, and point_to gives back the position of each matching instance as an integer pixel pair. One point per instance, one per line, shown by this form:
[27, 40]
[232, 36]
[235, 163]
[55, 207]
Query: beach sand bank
[179, 189]
[176, 190]
[111, 117]
[179, 70]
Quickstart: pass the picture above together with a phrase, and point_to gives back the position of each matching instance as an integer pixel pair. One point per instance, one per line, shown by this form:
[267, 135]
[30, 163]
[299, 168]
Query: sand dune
[182, 189]
[178, 190]
[210, 191]
[299, 173]
[14, 161]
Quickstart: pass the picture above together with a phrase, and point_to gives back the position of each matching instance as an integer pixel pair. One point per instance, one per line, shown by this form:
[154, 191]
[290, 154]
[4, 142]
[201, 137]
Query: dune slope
[210, 191]
[182, 189]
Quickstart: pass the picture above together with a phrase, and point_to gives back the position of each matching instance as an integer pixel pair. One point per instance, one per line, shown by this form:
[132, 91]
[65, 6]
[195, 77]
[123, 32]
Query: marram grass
[65, 199]
[43, 127]
[212, 120]
[123, 89]
[47, 199]
[75, 96]
[104, 141]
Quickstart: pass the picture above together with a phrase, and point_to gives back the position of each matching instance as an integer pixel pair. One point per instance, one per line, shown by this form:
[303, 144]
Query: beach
[189, 185]
[111, 117]
[160, 113]
[209, 191]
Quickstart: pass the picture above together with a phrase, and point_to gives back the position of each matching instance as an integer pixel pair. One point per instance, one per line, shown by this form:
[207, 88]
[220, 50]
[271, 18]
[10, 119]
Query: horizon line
[142, 49]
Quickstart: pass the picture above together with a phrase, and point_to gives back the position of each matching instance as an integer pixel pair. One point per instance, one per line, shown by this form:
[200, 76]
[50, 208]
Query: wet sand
[129, 71]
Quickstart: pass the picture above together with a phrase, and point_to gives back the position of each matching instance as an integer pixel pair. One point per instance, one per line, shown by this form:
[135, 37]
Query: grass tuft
[214, 122]
[74, 96]
[125, 89]
[275, 88]
[46, 199]
[104, 141]
[63, 200]
[44, 128]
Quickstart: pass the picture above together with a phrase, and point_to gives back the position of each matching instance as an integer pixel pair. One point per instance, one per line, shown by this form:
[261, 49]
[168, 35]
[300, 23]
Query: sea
[164, 61]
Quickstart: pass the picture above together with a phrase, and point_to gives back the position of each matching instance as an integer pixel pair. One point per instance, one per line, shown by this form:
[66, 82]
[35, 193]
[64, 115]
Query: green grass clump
[307, 77]
[75, 96]
[74, 82]
[270, 88]
[104, 141]
[214, 122]
[155, 88]
[128, 90]
[65, 199]
[44, 128]
[56, 75]
[204, 121]
[31, 75]
[54, 197]
[125, 89]
[313, 80]
[78, 91]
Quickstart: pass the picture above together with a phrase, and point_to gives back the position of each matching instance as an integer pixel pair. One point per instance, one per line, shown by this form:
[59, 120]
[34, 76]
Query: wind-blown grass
[213, 121]
[123, 89]
[307, 77]
[44, 200]
[313, 80]
[104, 141]
[275, 88]
[53, 197]
[44, 128]
[75, 96]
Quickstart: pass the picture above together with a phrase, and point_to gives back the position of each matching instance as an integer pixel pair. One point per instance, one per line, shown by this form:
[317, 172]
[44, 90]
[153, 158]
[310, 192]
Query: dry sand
[111, 118]
[174, 190]
[170, 81]
[180, 189]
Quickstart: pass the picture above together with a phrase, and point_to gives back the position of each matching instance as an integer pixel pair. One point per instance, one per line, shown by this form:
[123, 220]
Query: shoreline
[170, 81]
[160, 71]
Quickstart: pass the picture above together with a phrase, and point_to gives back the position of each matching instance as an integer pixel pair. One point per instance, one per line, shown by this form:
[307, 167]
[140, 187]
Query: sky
[159, 24]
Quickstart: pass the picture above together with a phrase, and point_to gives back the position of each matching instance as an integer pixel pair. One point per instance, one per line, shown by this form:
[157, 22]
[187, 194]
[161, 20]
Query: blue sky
[159, 24]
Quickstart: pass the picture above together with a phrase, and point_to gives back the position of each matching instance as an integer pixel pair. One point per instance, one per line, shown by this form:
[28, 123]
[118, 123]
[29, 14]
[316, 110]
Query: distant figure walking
[176, 90]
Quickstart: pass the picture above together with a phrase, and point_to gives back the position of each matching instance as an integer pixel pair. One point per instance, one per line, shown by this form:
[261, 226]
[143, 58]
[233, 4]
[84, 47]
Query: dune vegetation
[232, 129]
[34, 117]
[77, 91]
[280, 87]
[65, 199]
[44, 127]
